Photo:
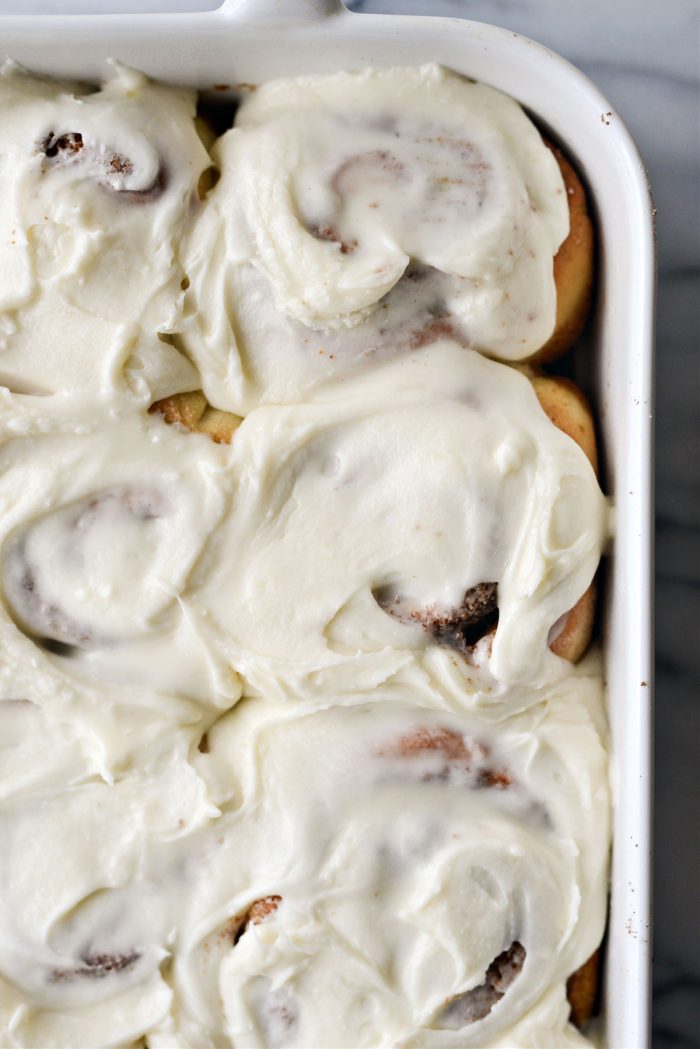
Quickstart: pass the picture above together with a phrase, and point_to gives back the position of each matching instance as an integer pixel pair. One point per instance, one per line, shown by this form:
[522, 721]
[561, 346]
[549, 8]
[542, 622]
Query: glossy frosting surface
[97, 188]
[285, 759]
[358, 215]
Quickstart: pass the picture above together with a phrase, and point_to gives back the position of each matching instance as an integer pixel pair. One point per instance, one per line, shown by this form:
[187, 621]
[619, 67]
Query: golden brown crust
[193, 411]
[573, 268]
[566, 406]
[582, 990]
[205, 130]
[207, 180]
[573, 639]
[185, 409]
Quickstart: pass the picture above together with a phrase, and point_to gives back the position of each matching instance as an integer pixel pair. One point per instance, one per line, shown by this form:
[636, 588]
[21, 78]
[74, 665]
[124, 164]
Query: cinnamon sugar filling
[107, 166]
[460, 629]
[259, 911]
[474, 1005]
[466, 756]
[96, 967]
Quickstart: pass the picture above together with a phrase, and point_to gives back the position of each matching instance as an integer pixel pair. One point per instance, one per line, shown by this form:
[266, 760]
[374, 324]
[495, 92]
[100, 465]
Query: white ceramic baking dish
[247, 41]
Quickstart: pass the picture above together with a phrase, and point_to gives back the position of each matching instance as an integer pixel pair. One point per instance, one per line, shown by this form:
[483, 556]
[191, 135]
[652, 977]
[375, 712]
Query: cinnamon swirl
[383, 503]
[97, 189]
[88, 876]
[413, 877]
[293, 749]
[362, 215]
[98, 543]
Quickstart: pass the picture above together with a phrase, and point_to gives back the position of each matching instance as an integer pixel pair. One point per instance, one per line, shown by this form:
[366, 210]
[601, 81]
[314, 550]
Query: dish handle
[281, 10]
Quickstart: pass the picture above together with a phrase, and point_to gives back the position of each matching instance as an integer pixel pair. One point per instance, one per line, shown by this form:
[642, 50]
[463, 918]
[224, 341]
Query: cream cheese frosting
[335, 193]
[400, 850]
[97, 188]
[381, 503]
[285, 758]
[83, 924]
[99, 533]
[397, 852]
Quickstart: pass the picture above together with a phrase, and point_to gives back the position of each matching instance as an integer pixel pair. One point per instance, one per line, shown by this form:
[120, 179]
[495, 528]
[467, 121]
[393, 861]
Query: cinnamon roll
[582, 990]
[88, 877]
[475, 618]
[97, 190]
[98, 546]
[413, 877]
[363, 215]
[293, 749]
[406, 511]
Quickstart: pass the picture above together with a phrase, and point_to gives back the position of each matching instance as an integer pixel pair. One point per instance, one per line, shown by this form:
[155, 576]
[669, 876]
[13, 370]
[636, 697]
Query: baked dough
[573, 268]
[363, 216]
[566, 406]
[582, 990]
[193, 412]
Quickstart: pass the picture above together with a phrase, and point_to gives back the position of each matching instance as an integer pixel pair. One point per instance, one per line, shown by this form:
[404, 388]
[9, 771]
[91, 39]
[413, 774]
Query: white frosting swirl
[396, 853]
[83, 926]
[99, 535]
[330, 187]
[96, 191]
[399, 837]
[418, 481]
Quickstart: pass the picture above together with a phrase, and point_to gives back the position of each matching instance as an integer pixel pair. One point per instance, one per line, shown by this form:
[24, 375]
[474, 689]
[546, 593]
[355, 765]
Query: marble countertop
[644, 56]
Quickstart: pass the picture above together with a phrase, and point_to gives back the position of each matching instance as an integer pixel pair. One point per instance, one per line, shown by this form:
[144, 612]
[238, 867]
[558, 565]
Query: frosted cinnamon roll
[411, 877]
[99, 538]
[97, 189]
[389, 504]
[362, 215]
[89, 876]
